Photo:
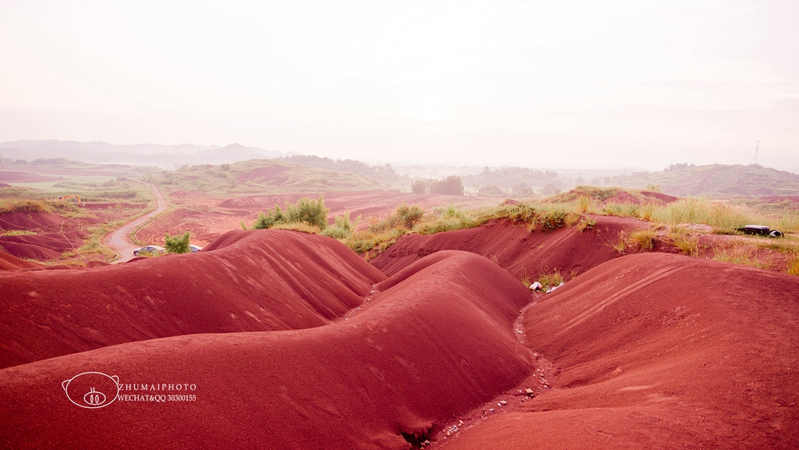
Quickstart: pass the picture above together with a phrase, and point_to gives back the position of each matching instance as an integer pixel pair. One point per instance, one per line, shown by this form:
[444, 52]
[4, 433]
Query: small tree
[490, 190]
[419, 187]
[522, 190]
[550, 189]
[177, 244]
[343, 228]
[452, 185]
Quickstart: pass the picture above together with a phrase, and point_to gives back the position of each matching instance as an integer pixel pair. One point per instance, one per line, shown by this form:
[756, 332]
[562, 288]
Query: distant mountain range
[164, 156]
[717, 180]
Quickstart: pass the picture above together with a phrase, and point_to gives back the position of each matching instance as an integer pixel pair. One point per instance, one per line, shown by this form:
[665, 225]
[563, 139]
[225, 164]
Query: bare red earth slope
[660, 351]
[246, 281]
[426, 346]
[9, 262]
[48, 242]
[516, 249]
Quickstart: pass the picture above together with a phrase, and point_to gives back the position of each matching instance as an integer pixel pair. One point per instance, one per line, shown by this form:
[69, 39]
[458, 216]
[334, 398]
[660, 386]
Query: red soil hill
[9, 262]
[42, 247]
[29, 220]
[516, 249]
[247, 281]
[660, 351]
[433, 344]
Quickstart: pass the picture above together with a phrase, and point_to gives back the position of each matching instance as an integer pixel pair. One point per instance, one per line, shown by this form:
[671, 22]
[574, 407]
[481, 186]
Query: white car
[194, 248]
[153, 249]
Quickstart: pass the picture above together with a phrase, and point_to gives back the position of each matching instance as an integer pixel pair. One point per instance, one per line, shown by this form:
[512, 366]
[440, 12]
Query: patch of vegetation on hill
[382, 174]
[258, 176]
[25, 206]
[307, 211]
[717, 180]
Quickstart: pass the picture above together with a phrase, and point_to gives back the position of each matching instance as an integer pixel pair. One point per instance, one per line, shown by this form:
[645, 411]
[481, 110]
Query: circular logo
[92, 390]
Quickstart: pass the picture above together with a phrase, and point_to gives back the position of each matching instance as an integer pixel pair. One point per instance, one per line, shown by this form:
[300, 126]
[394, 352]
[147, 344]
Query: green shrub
[549, 280]
[343, 227]
[684, 241]
[586, 223]
[265, 221]
[177, 244]
[405, 216]
[554, 219]
[643, 239]
[521, 213]
[584, 203]
[311, 212]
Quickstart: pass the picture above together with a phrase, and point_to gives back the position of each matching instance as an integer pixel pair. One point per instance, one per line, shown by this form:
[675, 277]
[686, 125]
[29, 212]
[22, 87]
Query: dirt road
[118, 240]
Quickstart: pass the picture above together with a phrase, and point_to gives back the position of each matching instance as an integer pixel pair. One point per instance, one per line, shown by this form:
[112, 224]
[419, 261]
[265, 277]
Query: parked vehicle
[760, 230]
[153, 249]
[195, 248]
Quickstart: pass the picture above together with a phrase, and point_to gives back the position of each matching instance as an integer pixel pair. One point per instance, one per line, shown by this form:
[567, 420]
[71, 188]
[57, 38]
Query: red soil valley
[293, 341]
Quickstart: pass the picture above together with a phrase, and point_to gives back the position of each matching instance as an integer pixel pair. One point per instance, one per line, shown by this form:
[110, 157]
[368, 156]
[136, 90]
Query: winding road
[118, 240]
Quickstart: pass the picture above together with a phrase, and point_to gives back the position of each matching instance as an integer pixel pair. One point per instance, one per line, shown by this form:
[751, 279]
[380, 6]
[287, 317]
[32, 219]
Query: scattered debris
[529, 392]
[554, 287]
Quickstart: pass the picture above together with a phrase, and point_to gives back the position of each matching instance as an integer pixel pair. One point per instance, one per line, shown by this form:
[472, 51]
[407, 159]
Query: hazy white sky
[583, 84]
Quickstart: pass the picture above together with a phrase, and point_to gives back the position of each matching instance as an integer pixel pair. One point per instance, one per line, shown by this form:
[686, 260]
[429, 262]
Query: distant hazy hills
[682, 180]
[716, 180]
[164, 156]
[259, 176]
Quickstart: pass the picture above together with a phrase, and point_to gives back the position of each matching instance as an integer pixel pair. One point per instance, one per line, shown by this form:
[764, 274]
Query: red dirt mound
[516, 249]
[665, 198]
[23, 250]
[10, 262]
[660, 351]
[433, 345]
[42, 247]
[29, 220]
[259, 281]
[622, 197]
